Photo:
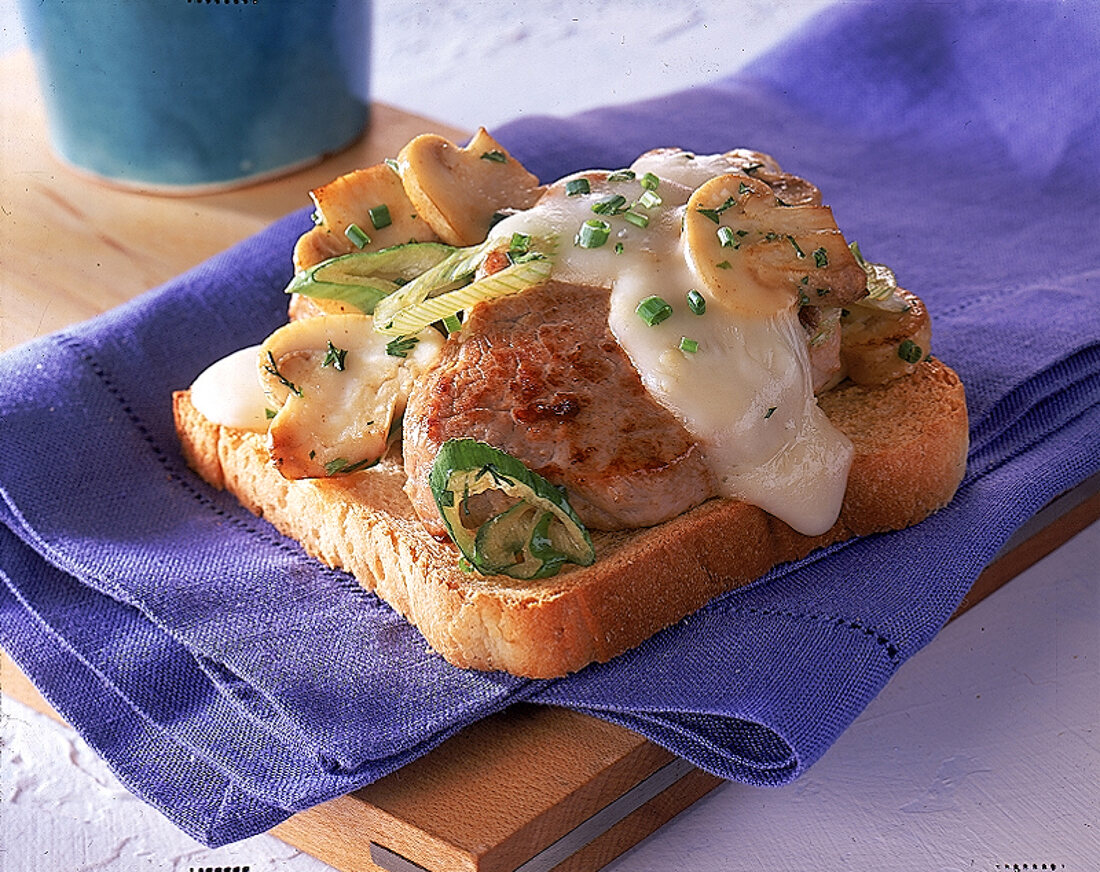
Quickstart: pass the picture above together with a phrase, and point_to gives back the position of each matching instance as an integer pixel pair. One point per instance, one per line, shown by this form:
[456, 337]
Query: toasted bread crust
[910, 438]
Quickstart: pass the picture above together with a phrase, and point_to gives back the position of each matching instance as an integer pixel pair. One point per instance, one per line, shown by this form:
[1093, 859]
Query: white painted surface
[982, 754]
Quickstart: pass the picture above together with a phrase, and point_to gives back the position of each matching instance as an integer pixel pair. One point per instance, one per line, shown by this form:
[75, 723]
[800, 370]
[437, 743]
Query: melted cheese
[746, 394]
[228, 392]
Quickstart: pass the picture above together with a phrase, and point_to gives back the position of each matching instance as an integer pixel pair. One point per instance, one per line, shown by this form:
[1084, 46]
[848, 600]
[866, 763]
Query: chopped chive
[577, 186]
[910, 352]
[618, 248]
[727, 237]
[821, 258]
[340, 464]
[452, 324]
[770, 412]
[272, 367]
[355, 233]
[380, 216]
[270, 413]
[649, 199]
[593, 233]
[724, 265]
[393, 165]
[742, 188]
[612, 205]
[495, 156]
[639, 219]
[650, 182]
[696, 302]
[653, 310]
[688, 346]
[713, 214]
[797, 248]
[749, 169]
[621, 176]
[334, 357]
[401, 346]
[316, 217]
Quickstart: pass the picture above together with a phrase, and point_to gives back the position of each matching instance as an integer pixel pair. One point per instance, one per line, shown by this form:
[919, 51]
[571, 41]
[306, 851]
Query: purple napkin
[230, 681]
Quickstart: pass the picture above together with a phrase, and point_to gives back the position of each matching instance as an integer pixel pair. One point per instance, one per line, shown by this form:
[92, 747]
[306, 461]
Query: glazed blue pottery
[192, 95]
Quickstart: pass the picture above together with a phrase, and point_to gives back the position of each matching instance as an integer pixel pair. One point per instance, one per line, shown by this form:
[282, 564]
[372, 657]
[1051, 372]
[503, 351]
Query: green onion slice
[612, 205]
[356, 234]
[363, 278]
[380, 216]
[593, 233]
[696, 302]
[577, 186]
[688, 346]
[653, 310]
[504, 518]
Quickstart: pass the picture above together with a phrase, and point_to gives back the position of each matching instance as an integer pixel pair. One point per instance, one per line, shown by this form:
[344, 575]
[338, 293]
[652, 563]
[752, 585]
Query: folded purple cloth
[230, 681]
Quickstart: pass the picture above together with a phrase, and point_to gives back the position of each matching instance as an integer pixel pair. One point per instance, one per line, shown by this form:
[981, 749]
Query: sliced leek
[363, 278]
[510, 280]
[457, 269]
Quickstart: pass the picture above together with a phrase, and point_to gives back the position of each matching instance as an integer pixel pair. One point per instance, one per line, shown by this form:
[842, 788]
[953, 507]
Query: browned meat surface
[589, 425]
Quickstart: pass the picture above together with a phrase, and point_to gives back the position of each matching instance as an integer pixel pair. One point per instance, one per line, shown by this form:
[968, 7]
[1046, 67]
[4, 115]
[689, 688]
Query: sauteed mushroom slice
[884, 340]
[364, 209]
[458, 190]
[337, 386]
[756, 256]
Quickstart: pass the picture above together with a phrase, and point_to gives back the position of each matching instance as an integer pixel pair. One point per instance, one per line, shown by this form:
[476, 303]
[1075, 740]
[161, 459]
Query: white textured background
[981, 754]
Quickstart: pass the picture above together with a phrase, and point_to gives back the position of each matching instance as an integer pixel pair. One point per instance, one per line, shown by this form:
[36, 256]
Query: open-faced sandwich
[545, 421]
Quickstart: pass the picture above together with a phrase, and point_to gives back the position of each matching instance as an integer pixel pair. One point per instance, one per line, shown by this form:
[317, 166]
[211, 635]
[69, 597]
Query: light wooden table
[71, 247]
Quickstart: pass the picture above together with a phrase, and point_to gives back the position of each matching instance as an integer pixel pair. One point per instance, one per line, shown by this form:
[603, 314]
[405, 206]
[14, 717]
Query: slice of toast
[910, 439]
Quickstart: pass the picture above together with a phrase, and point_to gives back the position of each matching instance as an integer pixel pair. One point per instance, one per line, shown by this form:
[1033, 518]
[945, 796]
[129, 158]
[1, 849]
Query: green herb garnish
[696, 302]
[593, 233]
[910, 352]
[334, 357]
[713, 214]
[577, 186]
[612, 205]
[653, 310]
[401, 346]
[355, 233]
[272, 367]
[380, 216]
[495, 156]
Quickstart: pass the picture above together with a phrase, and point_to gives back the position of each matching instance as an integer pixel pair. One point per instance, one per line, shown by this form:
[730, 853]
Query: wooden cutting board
[528, 790]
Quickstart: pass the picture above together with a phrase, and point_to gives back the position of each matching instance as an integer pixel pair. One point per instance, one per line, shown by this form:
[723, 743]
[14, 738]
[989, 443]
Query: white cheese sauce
[228, 392]
[745, 393]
